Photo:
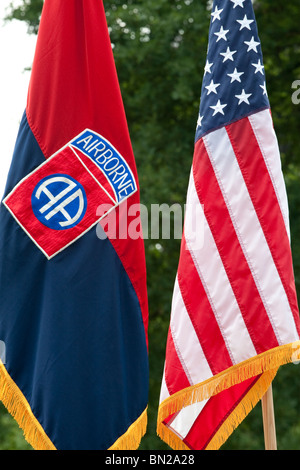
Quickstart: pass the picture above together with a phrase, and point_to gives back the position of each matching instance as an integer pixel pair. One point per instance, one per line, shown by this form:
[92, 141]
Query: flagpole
[269, 420]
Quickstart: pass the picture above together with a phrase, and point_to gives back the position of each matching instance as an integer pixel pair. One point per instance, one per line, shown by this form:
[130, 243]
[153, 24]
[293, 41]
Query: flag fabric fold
[73, 304]
[234, 316]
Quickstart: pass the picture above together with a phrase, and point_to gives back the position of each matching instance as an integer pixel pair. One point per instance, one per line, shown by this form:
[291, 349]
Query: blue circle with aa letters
[59, 202]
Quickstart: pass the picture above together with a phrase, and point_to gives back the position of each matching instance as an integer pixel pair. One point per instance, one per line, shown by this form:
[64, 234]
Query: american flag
[234, 317]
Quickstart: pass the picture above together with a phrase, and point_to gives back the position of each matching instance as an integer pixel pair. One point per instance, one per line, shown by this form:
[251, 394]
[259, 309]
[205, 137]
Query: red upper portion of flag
[62, 81]
[56, 67]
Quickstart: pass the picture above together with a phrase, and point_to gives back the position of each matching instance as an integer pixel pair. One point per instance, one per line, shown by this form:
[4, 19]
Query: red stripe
[175, 376]
[234, 261]
[264, 199]
[201, 314]
[215, 413]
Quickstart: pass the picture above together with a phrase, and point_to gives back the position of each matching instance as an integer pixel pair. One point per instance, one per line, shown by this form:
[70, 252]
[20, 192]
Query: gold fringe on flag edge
[265, 364]
[17, 405]
[132, 438]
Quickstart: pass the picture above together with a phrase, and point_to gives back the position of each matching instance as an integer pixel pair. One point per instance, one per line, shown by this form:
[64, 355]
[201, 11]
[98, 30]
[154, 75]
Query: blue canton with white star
[234, 84]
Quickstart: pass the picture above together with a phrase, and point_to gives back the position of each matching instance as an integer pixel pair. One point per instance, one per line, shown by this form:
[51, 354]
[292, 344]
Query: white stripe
[217, 286]
[164, 392]
[186, 342]
[263, 129]
[192, 359]
[185, 418]
[250, 234]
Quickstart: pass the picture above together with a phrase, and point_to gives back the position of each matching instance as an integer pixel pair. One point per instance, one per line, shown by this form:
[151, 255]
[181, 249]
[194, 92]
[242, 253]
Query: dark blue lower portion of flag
[72, 327]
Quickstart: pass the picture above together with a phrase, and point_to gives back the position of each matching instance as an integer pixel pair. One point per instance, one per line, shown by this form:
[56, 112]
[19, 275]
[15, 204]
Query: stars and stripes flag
[73, 301]
[234, 317]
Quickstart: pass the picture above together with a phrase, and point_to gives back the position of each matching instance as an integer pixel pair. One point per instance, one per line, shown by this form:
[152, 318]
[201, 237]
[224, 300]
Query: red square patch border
[48, 161]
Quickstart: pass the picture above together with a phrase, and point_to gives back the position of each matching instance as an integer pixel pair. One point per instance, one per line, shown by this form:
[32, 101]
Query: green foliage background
[160, 50]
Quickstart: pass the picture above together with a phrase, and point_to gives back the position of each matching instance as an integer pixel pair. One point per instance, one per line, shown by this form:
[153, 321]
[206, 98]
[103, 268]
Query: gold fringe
[132, 437]
[266, 364]
[242, 410]
[17, 405]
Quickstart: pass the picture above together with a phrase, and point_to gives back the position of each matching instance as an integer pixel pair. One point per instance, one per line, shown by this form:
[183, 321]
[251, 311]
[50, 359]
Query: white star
[238, 3]
[245, 23]
[199, 122]
[222, 34]
[252, 44]
[216, 14]
[259, 67]
[228, 55]
[264, 87]
[243, 97]
[212, 87]
[208, 67]
[235, 76]
[218, 108]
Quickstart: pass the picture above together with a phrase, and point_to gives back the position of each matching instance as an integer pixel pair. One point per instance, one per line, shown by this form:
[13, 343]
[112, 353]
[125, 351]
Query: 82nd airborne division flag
[73, 305]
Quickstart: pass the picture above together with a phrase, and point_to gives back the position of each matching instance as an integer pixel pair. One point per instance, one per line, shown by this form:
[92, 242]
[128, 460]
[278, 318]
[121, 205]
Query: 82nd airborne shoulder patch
[57, 203]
